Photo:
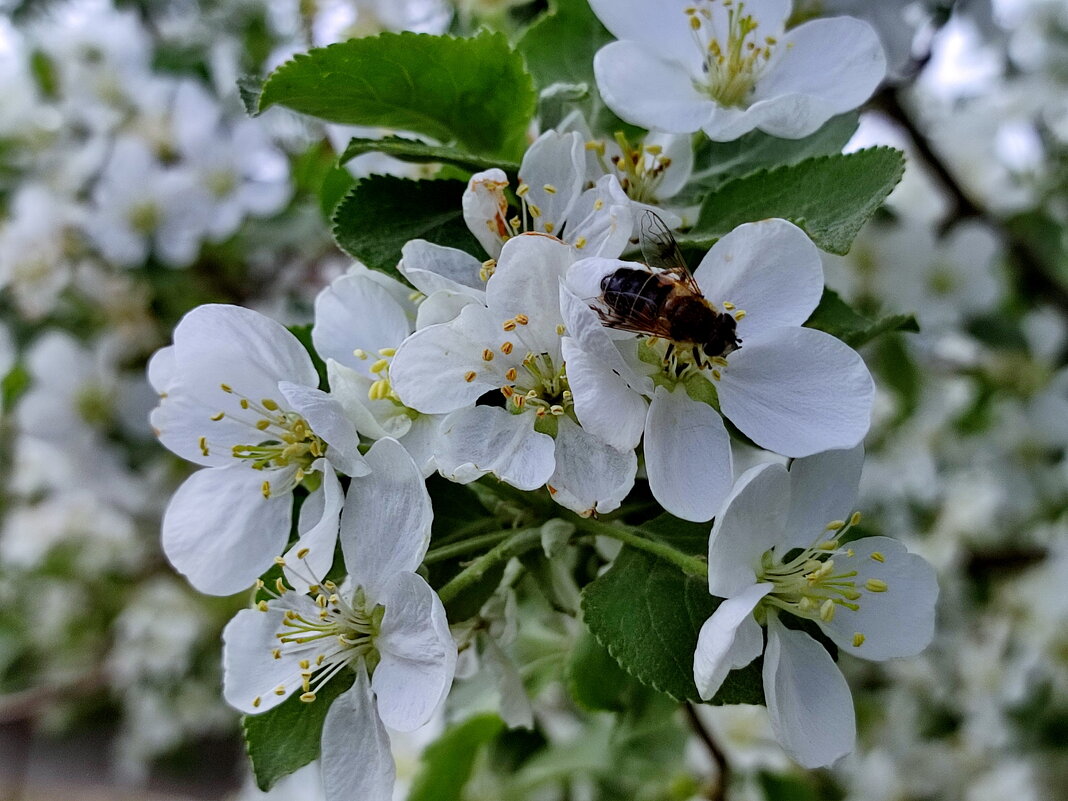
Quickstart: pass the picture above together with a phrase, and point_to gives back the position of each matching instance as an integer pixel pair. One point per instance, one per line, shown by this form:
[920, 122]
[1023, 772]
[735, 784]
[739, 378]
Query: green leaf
[837, 318]
[559, 47]
[594, 679]
[303, 335]
[648, 614]
[690, 538]
[830, 197]
[449, 761]
[422, 153]
[474, 92]
[381, 213]
[286, 738]
[13, 386]
[249, 88]
[715, 163]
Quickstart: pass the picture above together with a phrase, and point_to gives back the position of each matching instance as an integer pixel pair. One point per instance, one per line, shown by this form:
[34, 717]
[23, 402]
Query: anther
[835, 525]
[506, 348]
[215, 418]
[303, 552]
[876, 585]
[854, 519]
[470, 376]
[827, 611]
[387, 352]
[256, 702]
[265, 488]
[307, 697]
[487, 355]
[226, 388]
[858, 640]
[508, 325]
[360, 353]
[262, 606]
[522, 319]
[739, 315]
[269, 405]
[278, 560]
[878, 556]
[511, 374]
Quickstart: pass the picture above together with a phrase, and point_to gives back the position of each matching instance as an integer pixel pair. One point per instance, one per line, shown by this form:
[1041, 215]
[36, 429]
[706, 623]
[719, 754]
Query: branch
[718, 791]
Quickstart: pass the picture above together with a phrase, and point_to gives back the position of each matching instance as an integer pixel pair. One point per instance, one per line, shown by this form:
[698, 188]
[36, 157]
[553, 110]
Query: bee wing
[661, 251]
[633, 311]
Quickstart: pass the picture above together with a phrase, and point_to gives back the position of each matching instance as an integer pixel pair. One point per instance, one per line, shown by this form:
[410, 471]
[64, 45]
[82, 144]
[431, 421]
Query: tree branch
[718, 791]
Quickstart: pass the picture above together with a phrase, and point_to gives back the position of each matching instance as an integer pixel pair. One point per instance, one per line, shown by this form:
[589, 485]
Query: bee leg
[669, 352]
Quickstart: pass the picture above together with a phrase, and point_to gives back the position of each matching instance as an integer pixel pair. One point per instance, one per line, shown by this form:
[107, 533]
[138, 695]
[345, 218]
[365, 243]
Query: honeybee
[663, 300]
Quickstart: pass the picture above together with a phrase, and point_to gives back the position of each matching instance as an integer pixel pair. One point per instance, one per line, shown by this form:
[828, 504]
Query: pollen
[522, 319]
[878, 556]
[509, 325]
[506, 348]
[876, 585]
[470, 376]
[303, 552]
[858, 640]
[307, 697]
[265, 488]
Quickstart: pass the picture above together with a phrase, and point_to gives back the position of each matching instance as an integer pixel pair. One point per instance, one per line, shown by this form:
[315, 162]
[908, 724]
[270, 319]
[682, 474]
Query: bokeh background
[133, 187]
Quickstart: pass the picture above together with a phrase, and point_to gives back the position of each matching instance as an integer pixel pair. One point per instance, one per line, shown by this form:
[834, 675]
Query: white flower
[511, 346]
[142, 206]
[386, 624]
[795, 391]
[596, 222]
[727, 67]
[775, 550]
[238, 395]
[360, 320]
[651, 172]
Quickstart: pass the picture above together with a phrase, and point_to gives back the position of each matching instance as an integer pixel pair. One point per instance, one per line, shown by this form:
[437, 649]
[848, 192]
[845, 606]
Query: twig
[718, 791]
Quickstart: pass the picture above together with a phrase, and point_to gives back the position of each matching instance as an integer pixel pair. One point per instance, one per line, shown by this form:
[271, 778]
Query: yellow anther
[549, 227]
[561, 329]
[262, 606]
[360, 353]
[508, 325]
[522, 319]
[739, 315]
[827, 611]
[828, 545]
[226, 388]
[854, 519]
[263, 425]
[269, 405]
[215, 418]
[470, 376]
[876, 585]
[550, 189]
[319, 659]
[280, 586]
[280, 690]
[522, 190]
[507, 391]
[256, 702]
[519, 401]
[203, 442]
[487, 355]
[835, 525]
[304, 664]
[243, 403]
[535, 211]
[387, 352]
[598, 204]
[265, 488]
[379, 366]
[878, 556]
[278, 560]
[307, 697]
[320, 601]
[303, 552]
[729, 306]
[716, 374]
[858, 640]
[506, 348]
[695, 22]
[580, 243]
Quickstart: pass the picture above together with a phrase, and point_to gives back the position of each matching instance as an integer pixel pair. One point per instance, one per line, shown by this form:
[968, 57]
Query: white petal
[798, 391]
[601, 220]
[527, 281]
[680, 150]
[554, 160]
[486, 209]
[662, 25]
[752, 520]
[687, 455]
[355, 312]
[604, 404]
[328, 420]
[431, 367]
[318, 527]
[444, 306]
[730, 639]
[356, 758]
[487, 439]
[516, 710]
[218, 344]
[837, 61]
[418, 654]
[822, 488]
[808, 699]
[219, 530]
[896, 622]
[770, 269]
[421, 441]
[161, 370]
[645, 90]
[250, 671]
[432, 268]
[590, 476]
[583, 324]
[385, 525]
[185, 426]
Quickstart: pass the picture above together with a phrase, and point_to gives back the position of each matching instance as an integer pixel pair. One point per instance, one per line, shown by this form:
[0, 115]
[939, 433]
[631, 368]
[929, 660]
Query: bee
[662, 299]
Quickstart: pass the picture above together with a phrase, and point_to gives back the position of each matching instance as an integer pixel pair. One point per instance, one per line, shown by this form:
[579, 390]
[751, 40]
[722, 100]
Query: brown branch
[718, 791]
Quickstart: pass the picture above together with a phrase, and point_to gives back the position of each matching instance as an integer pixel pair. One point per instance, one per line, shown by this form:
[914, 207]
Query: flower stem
[517, 543]
[466, 546]
[629, 535]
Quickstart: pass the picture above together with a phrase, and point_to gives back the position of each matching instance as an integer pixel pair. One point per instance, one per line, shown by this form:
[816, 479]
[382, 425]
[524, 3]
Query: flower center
[810, 586]
[536, 384]
[336, 635]
[284, 439]
[734, 58]
[640, 168]
[144, 217]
